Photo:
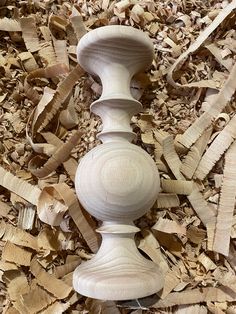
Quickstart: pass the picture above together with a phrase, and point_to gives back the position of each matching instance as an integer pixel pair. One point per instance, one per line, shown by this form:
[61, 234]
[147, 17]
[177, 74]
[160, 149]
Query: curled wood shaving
[216, 149]
[197, 43]
[77, 23]
[192, 159]
[17, 236]
[71, 164]
[171, 156]
[34, 301]
[60, 155]
[62, 92]
[29, 33]
[17, 284]
[31, 93]
[68, 117]
[169, 200]
[217, 53]
[181, 187]
[9, 25]
[51, 208]
[84, 224]
[61, 52]
[47, 54]
[224, 218]
[15, 254]
[172, 279]
[204, 121]
[48, 72]
[20, 187]
[55, 201]
[228, 280]
[38, 147]
[150, 246]
[47, 241]
[63, 270]
[122, 5]
[196, 296]
[204, 211]
[169, 226]
[49, 282]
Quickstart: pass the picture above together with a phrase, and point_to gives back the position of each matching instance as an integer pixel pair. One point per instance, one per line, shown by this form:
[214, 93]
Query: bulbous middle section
[117, 181]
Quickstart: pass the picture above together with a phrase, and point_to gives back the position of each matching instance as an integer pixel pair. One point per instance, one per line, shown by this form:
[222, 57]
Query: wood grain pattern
[116, 182]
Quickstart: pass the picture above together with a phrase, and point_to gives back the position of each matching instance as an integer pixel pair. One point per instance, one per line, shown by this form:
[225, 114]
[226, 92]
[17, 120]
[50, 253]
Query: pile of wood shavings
[188, 126]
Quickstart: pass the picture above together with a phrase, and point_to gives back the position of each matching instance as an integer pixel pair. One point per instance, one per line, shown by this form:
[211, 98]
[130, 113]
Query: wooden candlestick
[116, 182]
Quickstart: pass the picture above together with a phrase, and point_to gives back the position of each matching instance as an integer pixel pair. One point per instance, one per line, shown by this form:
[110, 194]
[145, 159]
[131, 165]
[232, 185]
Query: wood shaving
[59, 156]
[15, 254]
[204, 121]
[35, 300]
[167, 200]
[29, 33]
[224, 219]
[196, 296]
[216, 149]
[50, 283]
[169, 226]
[181, 187]
[202, 37]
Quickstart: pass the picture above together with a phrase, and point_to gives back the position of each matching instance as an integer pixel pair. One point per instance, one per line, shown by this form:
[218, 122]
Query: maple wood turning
[116, 182]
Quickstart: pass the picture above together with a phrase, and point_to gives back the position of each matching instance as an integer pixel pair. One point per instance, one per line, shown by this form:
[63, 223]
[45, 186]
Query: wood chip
[15, 254]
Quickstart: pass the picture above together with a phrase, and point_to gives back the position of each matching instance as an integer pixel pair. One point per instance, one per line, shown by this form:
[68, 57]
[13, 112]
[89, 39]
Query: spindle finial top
[115, 44]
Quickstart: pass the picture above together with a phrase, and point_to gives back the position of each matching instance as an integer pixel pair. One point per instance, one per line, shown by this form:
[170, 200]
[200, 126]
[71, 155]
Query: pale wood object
[117, 182]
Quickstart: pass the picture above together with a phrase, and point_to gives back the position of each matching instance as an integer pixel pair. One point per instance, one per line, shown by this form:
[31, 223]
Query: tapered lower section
[118, 271]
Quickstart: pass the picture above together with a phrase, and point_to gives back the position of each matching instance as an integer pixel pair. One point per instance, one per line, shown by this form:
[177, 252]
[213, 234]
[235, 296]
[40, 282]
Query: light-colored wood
[117, 182]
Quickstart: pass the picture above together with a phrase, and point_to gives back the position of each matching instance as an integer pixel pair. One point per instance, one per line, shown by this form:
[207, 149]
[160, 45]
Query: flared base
[109, 284]
[118, 272]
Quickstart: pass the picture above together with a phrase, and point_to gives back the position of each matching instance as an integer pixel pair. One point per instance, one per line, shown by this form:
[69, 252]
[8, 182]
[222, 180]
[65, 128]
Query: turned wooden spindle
[116, 182]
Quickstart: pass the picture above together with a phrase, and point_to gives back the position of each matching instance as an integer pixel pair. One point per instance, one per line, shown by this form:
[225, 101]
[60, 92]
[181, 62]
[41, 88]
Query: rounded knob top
[115, 44]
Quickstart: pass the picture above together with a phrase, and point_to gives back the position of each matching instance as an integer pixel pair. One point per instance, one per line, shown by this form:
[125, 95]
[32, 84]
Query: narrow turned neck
[115, 80]
[116, 106]
[116, 235]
